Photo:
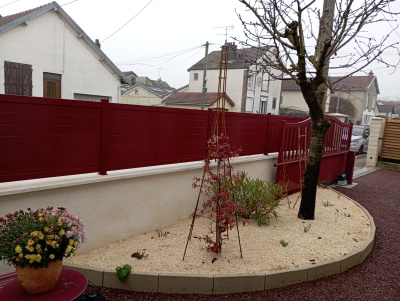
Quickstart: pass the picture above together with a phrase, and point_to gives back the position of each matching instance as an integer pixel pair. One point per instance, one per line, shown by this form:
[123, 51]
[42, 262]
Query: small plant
[283, 243]
[140, 254]
[162, 234]
[306, 228]
[327, 204]
[258, 199]
[123, 272]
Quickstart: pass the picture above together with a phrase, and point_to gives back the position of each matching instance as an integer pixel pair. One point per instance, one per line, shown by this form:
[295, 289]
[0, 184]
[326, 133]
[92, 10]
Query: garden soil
[340, 226]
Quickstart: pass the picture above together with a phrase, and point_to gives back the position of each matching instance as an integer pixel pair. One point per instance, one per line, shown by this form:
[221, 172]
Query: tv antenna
[231, 27]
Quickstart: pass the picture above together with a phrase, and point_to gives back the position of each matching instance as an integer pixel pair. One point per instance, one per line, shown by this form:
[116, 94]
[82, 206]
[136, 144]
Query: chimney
[231, 51]
[97, 42]
[371, 74]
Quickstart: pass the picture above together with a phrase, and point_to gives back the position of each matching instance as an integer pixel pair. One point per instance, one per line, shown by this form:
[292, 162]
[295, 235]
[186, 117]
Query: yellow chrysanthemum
[18, 249]
[75, 252]
[51, 256]
[59, 223]
[31, 261]
[62, 232]
[68, 249]
[53, 243]
[46, 229]
[41, 236]
[57, 245]
[34, 233]
[30, 242]
[38, 247]
[38, 258]
[71, 242]
[20, 255]
[75, 244]
[31, 249]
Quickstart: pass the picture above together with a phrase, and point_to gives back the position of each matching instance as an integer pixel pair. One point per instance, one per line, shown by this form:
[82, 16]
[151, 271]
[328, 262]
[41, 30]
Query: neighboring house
[357, 97]
[250, 90]
[395, 104]
[385, 111]
[192, 100]
[354, 96]
[145, 95]
[292, 101]
[46, 54]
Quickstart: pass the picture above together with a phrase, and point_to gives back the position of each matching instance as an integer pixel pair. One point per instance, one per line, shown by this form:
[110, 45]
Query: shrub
[259, 199]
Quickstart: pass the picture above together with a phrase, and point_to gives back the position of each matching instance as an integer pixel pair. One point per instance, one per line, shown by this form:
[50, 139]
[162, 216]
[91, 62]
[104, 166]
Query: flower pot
[39, 280]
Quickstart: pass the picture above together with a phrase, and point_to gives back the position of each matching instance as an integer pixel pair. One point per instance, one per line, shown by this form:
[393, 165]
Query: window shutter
[18, 78]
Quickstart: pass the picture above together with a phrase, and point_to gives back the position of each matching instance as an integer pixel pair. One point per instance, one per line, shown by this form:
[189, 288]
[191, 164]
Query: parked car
[359, 139]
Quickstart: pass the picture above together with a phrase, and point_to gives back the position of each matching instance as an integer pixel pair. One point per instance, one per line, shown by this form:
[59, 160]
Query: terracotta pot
[39, 280]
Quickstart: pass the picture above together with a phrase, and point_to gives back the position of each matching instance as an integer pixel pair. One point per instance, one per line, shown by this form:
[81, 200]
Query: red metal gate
[294, 151]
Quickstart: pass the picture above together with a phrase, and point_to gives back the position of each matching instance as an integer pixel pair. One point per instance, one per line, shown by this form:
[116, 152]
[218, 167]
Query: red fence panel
[145, 136]
[42, 137]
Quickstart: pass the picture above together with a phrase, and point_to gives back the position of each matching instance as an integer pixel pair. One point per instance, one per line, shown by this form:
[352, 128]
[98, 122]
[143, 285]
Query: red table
[70, 286]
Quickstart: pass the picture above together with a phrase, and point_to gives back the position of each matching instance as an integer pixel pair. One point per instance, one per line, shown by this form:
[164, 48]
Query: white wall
[127, 202]
[294, 100]
[51, 45]
[375, 143]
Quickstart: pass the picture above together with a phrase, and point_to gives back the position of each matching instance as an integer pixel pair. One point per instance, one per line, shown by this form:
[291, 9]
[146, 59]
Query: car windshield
[357, 131]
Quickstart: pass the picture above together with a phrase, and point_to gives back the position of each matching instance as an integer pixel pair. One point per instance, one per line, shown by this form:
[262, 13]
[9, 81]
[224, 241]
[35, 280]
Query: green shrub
[259, 199]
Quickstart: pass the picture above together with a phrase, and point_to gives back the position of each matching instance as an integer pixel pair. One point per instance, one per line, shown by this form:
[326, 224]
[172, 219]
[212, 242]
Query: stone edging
[226, 284]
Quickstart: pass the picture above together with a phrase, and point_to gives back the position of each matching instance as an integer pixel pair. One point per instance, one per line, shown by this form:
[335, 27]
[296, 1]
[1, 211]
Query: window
[263, 105]
[89, 97]
[17, 79]
[265, 81]
[195, 76]
[366, 103]
[250, 82]
[249, 104]
[281, 102]
[373, 102]
[51, 85]
[136, 92]
[274, 103]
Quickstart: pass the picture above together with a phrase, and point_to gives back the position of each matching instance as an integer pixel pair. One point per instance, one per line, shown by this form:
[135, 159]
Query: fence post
[266, 150]
[351, 158]
[104, 137]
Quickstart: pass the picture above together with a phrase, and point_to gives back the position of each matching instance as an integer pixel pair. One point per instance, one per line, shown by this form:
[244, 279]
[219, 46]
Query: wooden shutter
[18, 78]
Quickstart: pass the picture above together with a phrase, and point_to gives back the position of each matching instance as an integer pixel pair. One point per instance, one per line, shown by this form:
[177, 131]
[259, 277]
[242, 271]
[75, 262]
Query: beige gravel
[337, 229]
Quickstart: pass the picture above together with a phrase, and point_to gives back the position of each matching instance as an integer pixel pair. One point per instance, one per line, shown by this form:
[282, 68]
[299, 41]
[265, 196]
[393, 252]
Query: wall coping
[26, 186]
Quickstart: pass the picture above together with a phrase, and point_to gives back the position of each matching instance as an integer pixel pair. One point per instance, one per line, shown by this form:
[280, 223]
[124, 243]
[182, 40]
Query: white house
[250, 91]
[44, 53]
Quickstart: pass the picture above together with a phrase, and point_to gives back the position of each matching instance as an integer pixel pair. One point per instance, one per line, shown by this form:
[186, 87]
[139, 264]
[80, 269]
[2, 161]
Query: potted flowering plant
[39, 239]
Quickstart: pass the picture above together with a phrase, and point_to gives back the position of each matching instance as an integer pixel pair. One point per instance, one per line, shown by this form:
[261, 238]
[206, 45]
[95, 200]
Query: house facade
[145, 95]
[357, 97]
[44, 53]
[250, 90]
[354, 96]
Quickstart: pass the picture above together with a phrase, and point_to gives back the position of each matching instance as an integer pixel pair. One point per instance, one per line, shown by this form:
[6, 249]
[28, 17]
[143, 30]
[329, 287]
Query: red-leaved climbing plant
[218, 187]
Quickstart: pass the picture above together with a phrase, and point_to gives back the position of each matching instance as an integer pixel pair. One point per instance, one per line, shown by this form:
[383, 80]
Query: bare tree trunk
[311, 174]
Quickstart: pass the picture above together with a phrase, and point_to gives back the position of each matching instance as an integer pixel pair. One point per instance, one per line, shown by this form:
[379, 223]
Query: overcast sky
[167, 37]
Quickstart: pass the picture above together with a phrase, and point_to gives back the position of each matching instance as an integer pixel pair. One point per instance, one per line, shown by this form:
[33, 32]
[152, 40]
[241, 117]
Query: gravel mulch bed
[377, 278]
